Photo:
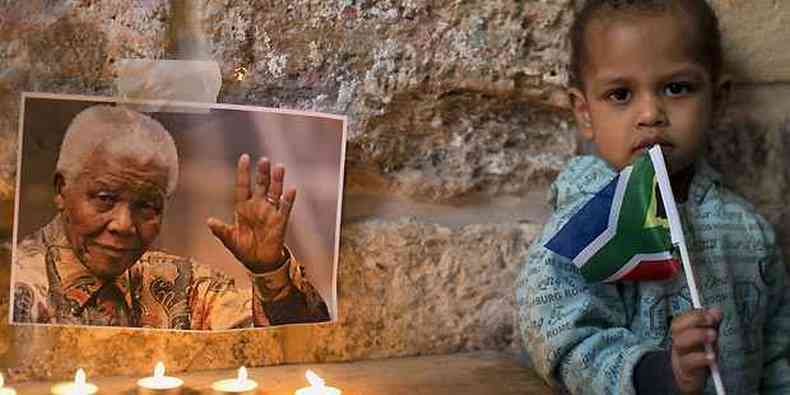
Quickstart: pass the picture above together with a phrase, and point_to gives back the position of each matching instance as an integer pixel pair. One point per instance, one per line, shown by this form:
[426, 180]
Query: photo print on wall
[196, 217]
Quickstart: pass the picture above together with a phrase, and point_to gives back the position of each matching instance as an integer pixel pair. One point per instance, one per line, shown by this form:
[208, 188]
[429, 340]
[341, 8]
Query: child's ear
[581, 110]
[721, 95]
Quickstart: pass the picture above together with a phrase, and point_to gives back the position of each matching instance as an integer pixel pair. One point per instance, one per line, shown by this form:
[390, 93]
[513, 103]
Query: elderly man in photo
[93, 264]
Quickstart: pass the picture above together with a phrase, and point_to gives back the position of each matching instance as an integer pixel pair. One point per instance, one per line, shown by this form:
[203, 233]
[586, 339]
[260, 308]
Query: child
[648, 72]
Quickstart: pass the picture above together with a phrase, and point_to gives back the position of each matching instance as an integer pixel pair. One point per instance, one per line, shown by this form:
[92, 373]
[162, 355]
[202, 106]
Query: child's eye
[619, 95]
[678, 88]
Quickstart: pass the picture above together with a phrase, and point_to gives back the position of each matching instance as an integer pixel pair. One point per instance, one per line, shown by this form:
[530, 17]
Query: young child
[649, 72]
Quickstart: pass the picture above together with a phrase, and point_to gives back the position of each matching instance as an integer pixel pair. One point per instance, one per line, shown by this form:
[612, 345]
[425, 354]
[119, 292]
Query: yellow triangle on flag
[652, 220]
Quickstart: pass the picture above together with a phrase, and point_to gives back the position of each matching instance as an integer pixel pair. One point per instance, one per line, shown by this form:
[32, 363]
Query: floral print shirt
[161, 290]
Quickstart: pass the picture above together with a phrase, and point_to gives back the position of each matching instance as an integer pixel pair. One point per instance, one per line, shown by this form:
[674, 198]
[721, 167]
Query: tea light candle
[4, 390]
[317, 386]
[159, 384]
[78, 387]
[241, 385]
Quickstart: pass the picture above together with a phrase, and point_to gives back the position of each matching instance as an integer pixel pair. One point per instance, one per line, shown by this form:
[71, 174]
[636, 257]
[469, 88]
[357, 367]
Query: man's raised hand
[257, 236]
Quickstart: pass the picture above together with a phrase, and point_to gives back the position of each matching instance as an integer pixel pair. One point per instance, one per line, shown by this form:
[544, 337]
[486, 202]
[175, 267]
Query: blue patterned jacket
[588, 338]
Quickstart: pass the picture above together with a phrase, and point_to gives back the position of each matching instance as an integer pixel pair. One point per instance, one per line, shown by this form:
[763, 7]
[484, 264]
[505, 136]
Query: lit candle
[78, 387]
[159, 384]
[241, 385]
[4, 390]
[317, 386]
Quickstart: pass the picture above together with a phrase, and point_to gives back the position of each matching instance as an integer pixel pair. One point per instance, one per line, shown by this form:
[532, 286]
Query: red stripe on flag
[653, 270]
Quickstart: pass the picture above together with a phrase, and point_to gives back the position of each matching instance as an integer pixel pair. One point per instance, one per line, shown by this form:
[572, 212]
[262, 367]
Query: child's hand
[690, 332]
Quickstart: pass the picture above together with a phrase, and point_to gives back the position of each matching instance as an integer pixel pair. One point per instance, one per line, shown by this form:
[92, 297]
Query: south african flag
[622, 232]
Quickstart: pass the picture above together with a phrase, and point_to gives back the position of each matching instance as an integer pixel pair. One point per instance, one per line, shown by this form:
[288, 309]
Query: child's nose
[652, 112]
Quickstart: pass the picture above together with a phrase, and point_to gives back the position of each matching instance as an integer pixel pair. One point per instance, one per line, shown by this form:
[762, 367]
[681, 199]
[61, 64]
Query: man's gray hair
[121, 131]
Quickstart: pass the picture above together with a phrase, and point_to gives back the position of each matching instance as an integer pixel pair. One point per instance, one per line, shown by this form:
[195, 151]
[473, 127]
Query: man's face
[112, 211]
[643, 86]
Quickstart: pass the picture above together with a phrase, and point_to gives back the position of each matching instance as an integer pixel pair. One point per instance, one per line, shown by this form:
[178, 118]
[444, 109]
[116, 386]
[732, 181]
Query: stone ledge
[457, 374]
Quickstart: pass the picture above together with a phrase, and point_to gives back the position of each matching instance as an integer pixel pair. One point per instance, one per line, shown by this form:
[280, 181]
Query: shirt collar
[75, 279]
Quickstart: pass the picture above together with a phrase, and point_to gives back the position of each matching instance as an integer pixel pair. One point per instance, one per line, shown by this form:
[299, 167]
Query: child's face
[643, 86]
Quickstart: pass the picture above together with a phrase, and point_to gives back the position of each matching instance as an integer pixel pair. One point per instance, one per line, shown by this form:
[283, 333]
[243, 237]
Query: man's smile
[114, 250]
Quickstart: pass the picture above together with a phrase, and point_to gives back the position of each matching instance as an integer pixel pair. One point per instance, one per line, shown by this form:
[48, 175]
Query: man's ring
[274, 201]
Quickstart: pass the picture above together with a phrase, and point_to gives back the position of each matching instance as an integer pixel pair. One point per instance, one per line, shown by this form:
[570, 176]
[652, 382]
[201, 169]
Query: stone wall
[458, 124]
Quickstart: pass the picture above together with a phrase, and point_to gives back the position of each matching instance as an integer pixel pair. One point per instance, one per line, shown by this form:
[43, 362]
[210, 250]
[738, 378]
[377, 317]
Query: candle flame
[242, 377]
[2, 380]
[313, 379]
[79, 377]
[159, 370]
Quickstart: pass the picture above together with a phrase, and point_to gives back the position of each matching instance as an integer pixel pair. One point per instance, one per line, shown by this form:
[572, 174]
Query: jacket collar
[586, 175]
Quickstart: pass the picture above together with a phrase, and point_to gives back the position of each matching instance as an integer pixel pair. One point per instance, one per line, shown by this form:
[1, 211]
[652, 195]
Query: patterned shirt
[160, 290]
[588, 338]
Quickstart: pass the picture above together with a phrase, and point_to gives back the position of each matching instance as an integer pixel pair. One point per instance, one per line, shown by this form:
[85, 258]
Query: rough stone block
[750, 146]
[409, 288]
[755, 33]
[445, 99]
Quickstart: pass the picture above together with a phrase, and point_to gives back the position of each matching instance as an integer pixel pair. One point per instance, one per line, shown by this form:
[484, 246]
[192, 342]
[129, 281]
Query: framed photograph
[178, 216]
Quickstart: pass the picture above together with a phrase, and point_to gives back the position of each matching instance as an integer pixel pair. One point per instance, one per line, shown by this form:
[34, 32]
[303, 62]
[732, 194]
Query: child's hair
[707, 39]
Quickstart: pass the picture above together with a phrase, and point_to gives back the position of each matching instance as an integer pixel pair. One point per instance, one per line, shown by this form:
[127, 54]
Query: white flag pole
[676, 233]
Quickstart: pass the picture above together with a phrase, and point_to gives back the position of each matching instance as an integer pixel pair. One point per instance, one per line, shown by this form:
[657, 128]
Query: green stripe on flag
[631, 236]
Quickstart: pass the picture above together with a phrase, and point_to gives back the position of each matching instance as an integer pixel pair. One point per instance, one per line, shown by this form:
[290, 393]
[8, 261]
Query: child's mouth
[665, 146]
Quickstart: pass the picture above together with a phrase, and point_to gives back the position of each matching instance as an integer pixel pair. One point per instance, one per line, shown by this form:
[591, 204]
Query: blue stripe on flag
[587, 224]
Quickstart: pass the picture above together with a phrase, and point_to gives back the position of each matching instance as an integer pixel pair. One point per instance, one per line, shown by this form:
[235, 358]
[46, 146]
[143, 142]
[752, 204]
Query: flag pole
[679, 240]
